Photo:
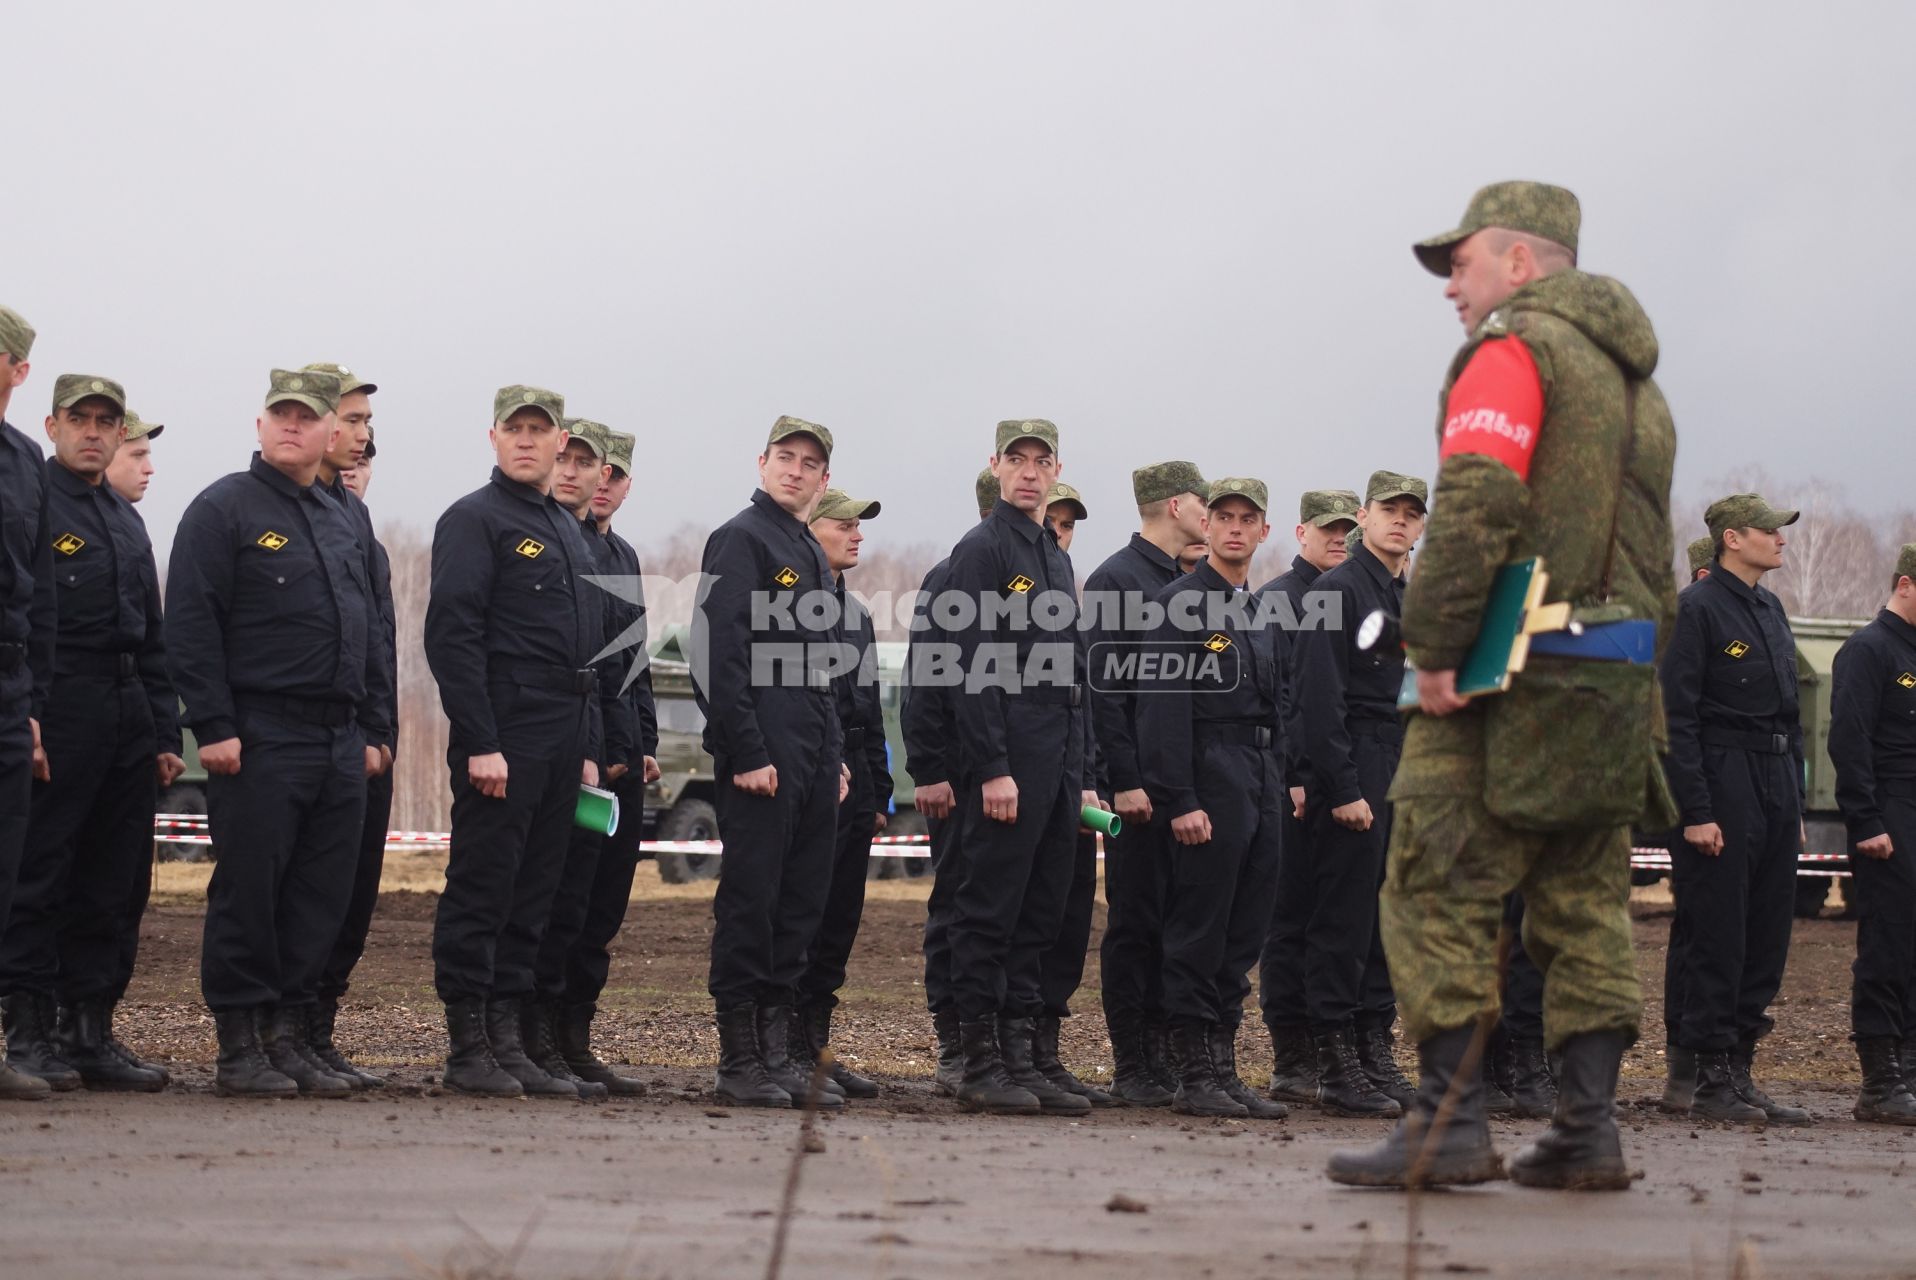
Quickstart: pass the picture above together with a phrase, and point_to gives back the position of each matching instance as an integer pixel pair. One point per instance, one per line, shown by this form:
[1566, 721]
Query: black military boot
[282, 1033]
[950, 1071]
[1377, 1054]
[1343, 1087]
[118, 1047]
[1581, 1150]
[28, 1019]
[741, 1075]
[575, 1043]
[775, 1051]
[986, 1086]
[1016, 1049]
[1885, 1098]
[1222, 1040]
[1742, 1058]
[504, 1032]
[325, 1015]
[1160, 1053]
[242, 1070]
[470, 1066]
[1200, 1092]
[1906, 1055]
[1679, 1085]
[18, 1086]
[85, 1042]
[1133, 1080]
[1715, 1096]
[1044, 1056]
[539, 1033]
[1293, 1064]
[1533, 1093]
[1418, 1152]
[811, 1036]
[1496, 1101]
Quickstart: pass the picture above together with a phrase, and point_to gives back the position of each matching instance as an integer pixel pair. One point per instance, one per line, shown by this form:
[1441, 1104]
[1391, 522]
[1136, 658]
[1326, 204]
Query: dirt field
[414, 1183]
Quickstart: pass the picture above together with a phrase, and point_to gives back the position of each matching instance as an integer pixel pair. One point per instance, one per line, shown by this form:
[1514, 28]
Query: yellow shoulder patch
[530, 548]
[1020, 584]
[1907, 680]
[68, 543]
[1736, 648]
[272, 541]
[786, 577]
[1218, 642]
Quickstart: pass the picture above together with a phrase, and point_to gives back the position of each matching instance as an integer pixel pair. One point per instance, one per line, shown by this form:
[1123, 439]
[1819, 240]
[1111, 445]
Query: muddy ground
[413, 1183]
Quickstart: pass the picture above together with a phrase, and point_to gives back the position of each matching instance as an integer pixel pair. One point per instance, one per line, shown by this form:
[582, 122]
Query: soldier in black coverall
[511, 631]
[763, 655]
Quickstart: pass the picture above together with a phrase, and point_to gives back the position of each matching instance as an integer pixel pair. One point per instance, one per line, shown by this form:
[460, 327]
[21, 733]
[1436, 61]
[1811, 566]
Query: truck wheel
[689, 820]
[906, 822]
[1811, 893]
[183, 798]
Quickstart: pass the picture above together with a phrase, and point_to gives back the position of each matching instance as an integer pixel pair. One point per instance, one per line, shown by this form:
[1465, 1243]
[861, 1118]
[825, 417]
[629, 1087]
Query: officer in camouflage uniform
[1554, 442]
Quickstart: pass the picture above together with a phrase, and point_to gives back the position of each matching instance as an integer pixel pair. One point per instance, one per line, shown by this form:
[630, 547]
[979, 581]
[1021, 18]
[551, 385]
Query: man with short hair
[1873, 746]
[273, 633]
[351, 439]
[927, 720]
[1211, 751]
[112, 738]
[132, 467]
[838, 524]
[1324, 518]
[1736, 766]
[1347, 714]
[763, 658]
[1064, 507]
[1553, 442]
[511, 631]
[1170, 499]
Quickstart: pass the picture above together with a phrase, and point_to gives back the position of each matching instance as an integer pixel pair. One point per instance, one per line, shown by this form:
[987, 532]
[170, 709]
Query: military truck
[187, 795]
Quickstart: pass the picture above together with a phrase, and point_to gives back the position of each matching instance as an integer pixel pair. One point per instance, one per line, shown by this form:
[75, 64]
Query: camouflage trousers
[1450, 865]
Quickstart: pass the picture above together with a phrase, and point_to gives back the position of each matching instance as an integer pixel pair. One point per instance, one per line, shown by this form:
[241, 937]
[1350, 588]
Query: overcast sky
[1177, 230]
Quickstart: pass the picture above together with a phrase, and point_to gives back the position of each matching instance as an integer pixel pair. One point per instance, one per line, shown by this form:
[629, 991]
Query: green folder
[1514, 613]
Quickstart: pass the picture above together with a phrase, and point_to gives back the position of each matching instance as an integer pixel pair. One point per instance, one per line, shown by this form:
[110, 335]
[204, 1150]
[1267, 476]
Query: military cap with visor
[618, 450]
[1701, 552]
[788, 426]
[71, 388]
[1252, 491]
[1321, 507]
[138, 428]
[1385, 485]
[1906, 561]
[509, 400]
[349, 381]
[836, 504]
[1535, 208]
[1062, 492]
[372, 450]
[1012, 430]
[16, 335]
[1163, 480]
[1746, 511]
[987, 491]
[317, 391]
[593, 435]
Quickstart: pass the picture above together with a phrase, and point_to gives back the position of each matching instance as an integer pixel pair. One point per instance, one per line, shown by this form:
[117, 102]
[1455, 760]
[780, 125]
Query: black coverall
[763, 657]
[1280, 985]
[1873, 746]
[272, 636]
[1347, 714]
[928, 721]
[89, 845]
[1211, 738]
[26, 638]
[1736, 759]
[511, 629]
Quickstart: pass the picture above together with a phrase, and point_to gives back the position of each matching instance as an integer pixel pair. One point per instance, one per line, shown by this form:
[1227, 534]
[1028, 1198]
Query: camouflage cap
[1701, 552]
[1745, 511]
[1533, 207]
[1385, 485]
[618, 449]
[16, 335]
[1012, 430]
[1163, 480]
[1906, 561]
[71, 388]
[589, 433]
[790, 426]
[1241, 487]
[349, 381]
[1322, 507]
[138, 428]
[317, 391]
[509, 400]
[1062, 492]
[986, 487]
[836, 504]
[372, 450]
[1354, 537]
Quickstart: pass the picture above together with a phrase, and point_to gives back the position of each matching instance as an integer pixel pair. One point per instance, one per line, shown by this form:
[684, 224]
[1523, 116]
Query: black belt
[1054, 695]
[1382, 730]
[328, 713]
[12, 656]
[89, 662]
[1769, 744]
[1239, 731]
[552, 678]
